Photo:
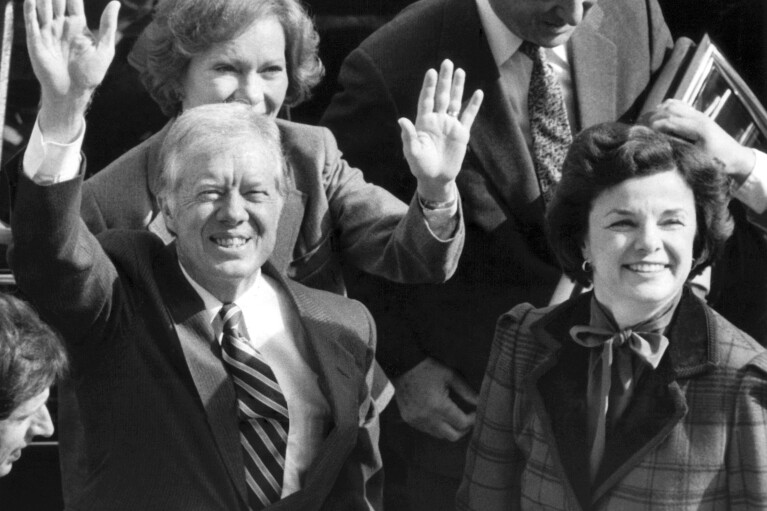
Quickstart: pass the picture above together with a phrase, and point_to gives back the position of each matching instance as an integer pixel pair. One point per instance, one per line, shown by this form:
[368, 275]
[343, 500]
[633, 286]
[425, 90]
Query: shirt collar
[503, 42]
[213, 305]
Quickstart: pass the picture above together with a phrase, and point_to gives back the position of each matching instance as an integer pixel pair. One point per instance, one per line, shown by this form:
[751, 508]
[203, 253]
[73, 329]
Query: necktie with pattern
[262, 412]
[549, 127]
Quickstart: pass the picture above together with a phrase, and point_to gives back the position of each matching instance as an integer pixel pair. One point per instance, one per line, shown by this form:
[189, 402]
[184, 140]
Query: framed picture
[711, 85]
[6, 44]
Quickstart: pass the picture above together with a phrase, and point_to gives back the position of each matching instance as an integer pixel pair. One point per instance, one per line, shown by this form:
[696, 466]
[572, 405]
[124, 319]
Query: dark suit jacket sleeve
[661, 41]
[363, 118]
[91, 211]
[57, 263]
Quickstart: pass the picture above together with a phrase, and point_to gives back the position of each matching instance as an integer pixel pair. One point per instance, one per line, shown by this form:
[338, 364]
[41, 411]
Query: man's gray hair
[215, 129]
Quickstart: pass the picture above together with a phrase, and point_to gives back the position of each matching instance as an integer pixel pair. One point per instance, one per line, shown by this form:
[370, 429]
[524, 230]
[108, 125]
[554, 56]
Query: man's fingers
[426, 99]
[449, 433]
[30, 20]
[472, 107]
[444, 81]
[44, 12]
[75, 8]
[463, 390]
[59, 7]
[407, 132]
[456, 92]
[108, 24]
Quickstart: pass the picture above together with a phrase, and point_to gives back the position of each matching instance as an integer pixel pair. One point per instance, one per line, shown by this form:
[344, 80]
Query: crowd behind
[484, 281]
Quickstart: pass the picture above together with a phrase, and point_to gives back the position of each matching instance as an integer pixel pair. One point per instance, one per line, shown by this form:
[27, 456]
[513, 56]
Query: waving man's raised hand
[436, 144]
[68, 59]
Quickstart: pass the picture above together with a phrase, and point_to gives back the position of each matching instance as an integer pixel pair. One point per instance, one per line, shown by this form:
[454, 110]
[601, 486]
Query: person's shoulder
[336, 309]
[298, 135]
[415, 29]
[734, 347]
[523, 315]
[307, 148]
[515, 335]
[347, 321]
[125, 170]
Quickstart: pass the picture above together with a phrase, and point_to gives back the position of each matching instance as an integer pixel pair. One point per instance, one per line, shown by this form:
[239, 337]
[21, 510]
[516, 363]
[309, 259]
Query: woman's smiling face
[640, 244]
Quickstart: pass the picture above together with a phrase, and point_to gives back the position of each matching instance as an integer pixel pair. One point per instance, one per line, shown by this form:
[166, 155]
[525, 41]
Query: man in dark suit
[206, 380]
[435, 339]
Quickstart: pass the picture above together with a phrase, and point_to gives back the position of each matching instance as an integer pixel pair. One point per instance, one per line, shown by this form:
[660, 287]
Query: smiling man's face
[224, 211]
[547, 23]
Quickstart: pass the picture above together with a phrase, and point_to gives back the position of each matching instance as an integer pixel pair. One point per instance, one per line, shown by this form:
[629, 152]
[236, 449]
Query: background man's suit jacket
[614, 54]
[157, 403]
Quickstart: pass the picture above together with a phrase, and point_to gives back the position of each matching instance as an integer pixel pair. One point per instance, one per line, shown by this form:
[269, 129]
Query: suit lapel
[496, 139]
[203, 359]
[595, 92]
[340, 379]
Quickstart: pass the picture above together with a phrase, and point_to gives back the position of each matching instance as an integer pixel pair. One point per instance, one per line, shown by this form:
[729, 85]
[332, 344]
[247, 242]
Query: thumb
[407, 131]
[463, 390]
[108, 24]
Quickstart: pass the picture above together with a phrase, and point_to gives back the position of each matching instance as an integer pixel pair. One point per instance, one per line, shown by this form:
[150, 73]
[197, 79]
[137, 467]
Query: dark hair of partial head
[184, 28]
[32, 355]
[604, 156]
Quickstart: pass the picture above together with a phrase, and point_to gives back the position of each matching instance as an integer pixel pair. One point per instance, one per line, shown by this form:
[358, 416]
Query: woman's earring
[586, 266]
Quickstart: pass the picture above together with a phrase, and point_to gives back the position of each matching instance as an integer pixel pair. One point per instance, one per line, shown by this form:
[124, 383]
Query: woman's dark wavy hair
[32, 356]
[607, 154]
[184, 28]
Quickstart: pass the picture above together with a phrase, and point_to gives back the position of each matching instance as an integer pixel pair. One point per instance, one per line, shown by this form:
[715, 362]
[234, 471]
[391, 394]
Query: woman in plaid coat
[636, 395]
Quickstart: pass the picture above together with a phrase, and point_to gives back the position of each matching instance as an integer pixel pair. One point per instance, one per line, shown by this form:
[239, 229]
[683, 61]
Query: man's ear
[167, 212]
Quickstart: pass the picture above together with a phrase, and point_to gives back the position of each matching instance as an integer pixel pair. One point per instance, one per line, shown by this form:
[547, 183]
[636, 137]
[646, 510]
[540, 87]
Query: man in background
[548, 68]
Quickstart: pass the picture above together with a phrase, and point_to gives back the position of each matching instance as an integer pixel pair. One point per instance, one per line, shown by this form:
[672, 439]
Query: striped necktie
[549, 127]
[262, 412]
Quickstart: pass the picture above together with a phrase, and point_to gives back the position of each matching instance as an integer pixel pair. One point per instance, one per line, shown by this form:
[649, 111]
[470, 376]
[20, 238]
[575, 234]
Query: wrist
[437, 193]
[743, 164]
[61, 122]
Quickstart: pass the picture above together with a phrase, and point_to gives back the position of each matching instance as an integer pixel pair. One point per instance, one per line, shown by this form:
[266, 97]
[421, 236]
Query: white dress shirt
[753, 191]
[516, 68]
[274, 328]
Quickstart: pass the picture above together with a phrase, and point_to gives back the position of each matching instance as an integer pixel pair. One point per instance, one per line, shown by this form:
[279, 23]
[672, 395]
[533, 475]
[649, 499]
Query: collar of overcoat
[292, 209]
[558, 387]
[339, 377]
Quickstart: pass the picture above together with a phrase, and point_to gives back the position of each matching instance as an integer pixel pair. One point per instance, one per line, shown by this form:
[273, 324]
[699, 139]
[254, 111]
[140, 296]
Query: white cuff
[442, 221]
[40, 151]
[753, 191]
